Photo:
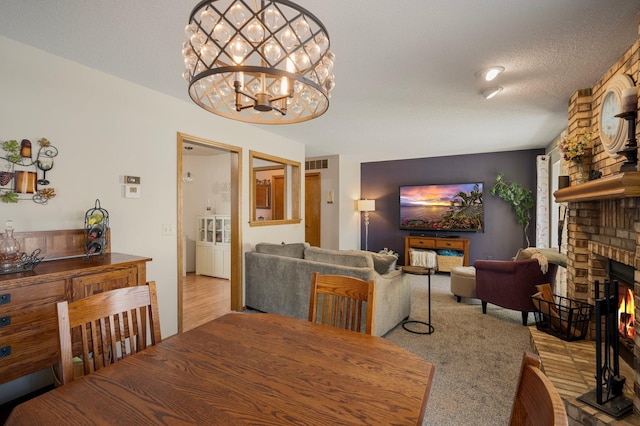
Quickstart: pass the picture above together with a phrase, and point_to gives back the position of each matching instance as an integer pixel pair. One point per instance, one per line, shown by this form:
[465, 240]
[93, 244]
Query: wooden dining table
[249, 368]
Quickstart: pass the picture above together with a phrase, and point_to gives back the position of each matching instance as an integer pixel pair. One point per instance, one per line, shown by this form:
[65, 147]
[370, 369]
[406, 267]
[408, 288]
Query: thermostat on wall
[132, 191]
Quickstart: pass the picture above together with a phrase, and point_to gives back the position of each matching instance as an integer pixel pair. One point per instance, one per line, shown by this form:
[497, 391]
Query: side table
[420, 270]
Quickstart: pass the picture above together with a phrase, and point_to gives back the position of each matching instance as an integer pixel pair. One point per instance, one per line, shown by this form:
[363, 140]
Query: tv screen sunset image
[450, 207]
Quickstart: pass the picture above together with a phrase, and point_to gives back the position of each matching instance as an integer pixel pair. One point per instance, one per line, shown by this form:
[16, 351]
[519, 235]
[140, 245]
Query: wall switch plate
[135, 180]
[167, 229]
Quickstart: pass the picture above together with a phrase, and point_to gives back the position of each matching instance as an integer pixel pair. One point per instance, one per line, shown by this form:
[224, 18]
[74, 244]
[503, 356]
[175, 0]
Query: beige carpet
[477, 357]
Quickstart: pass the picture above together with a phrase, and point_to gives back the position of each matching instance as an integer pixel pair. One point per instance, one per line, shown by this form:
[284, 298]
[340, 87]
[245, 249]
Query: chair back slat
[537, 401]
[112, 325]
[340, 301]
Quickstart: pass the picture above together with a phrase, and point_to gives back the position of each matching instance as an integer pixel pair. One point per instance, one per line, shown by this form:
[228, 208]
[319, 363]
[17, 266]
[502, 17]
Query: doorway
[312, 206]
[233, 190]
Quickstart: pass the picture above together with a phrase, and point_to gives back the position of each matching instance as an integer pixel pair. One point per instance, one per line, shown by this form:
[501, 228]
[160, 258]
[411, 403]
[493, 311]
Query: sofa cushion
[353, 258]
[287, 250]
[383, 263]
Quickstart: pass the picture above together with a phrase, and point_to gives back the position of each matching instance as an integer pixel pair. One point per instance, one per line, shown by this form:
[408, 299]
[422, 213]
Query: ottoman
[463, 281]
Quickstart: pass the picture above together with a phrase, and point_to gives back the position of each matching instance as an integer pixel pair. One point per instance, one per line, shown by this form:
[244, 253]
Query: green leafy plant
[520, 198]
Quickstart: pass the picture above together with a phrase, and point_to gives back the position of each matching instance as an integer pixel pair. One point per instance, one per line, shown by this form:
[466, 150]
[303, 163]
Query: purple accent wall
[502, 236]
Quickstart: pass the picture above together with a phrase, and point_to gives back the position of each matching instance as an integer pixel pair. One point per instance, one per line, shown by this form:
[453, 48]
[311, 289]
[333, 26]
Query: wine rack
[96, 224]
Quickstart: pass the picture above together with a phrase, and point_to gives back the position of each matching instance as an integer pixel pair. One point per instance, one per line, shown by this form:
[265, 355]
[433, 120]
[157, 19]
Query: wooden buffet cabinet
[437, 243]
[28, 324]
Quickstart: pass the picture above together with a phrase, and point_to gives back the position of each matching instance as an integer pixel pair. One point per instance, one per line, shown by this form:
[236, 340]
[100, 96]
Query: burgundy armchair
[511, 283]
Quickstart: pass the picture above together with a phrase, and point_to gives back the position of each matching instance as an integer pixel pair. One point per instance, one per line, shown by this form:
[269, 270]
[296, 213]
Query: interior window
[275, 190]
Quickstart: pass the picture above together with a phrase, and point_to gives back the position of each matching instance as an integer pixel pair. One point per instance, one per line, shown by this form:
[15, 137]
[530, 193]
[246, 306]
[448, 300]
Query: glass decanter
[9, 249]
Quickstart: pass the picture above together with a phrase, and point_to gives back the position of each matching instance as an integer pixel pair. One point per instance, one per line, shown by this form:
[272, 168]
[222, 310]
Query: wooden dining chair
[339, 301]
[537, 402]
[110, 326]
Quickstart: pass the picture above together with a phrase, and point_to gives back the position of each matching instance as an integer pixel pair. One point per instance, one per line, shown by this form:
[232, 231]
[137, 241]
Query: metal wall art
[23, 172]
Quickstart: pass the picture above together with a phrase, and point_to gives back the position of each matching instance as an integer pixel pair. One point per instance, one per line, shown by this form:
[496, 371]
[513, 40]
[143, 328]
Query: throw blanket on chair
[544, 256]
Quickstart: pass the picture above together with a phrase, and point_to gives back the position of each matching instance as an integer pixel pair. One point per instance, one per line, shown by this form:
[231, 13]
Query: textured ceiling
[405, 70]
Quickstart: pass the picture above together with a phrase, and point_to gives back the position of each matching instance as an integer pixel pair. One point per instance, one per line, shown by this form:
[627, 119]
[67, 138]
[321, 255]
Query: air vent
[316, 164]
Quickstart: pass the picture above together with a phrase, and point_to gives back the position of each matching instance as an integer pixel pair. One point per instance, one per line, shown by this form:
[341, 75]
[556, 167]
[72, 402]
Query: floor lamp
[366, 206]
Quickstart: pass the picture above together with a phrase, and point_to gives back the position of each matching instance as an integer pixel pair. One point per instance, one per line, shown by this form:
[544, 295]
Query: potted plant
[521, 200]
[574, 149]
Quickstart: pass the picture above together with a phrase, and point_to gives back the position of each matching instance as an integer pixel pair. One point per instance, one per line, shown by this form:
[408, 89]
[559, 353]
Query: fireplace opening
[626, 308]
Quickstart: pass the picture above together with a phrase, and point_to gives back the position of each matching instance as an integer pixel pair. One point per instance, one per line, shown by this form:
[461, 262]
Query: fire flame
[627, 315]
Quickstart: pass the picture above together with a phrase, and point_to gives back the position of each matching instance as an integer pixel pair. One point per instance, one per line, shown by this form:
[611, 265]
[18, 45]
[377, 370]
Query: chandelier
[264, 62]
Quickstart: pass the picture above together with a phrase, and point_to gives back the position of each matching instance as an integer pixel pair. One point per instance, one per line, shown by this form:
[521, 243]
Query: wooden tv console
[436, 243]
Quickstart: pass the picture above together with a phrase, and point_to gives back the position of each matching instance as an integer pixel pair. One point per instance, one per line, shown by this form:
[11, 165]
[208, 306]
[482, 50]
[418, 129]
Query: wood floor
[204, 299]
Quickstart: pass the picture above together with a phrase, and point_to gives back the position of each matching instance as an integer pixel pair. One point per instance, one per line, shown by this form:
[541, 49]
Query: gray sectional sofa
[278, 280]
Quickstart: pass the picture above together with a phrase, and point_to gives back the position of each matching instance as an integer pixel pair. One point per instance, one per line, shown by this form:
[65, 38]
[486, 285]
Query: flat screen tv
[442, 207]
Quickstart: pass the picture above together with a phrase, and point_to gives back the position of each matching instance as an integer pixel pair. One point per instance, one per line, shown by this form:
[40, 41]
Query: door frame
[236, 229]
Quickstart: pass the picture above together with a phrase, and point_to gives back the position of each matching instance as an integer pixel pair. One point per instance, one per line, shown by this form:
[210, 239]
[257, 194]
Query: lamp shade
[366, 205]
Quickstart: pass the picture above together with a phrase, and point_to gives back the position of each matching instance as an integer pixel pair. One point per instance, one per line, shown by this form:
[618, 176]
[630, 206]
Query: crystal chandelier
[264, 62]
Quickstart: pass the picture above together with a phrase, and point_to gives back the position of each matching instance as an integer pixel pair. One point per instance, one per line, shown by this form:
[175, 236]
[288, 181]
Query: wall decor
[613, 131]
[19, 171]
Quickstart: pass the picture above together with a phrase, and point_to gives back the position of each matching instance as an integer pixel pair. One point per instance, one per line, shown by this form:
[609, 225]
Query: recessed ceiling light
[491, 92]
[489, 74]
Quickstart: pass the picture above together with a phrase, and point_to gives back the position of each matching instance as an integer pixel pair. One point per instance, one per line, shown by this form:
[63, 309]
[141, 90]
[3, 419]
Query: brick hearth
[603, 225]
[571, 368]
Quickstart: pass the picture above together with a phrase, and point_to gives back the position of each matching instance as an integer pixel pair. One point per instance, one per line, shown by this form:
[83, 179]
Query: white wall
[329, 212]
[105, 128]
[349, 178]
[340, 222]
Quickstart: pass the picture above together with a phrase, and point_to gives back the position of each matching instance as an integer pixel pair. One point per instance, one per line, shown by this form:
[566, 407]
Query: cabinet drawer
[87, 285]
[457, 245]
[422, 242]
[28, 320]
[29, 343]
[31, 295]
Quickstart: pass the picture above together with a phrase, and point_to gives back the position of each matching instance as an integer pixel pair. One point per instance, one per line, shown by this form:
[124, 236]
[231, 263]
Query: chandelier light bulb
[208, 20]
[238, 15]
[222, 32]
[273, 19]
[288, 39]
[239, 49]
[208, 53]
[255, 32]
[302, 29]
[273, 52]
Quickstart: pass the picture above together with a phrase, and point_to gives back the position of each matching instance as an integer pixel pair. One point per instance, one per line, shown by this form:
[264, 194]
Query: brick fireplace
[604, 225]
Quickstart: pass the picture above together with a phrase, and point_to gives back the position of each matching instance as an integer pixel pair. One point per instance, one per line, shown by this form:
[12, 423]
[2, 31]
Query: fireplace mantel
[621, 185]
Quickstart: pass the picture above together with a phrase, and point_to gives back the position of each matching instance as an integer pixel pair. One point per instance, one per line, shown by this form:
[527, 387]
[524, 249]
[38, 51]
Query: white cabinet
[204, 259]
[222, 261]
[223, 230]
[213, 251]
